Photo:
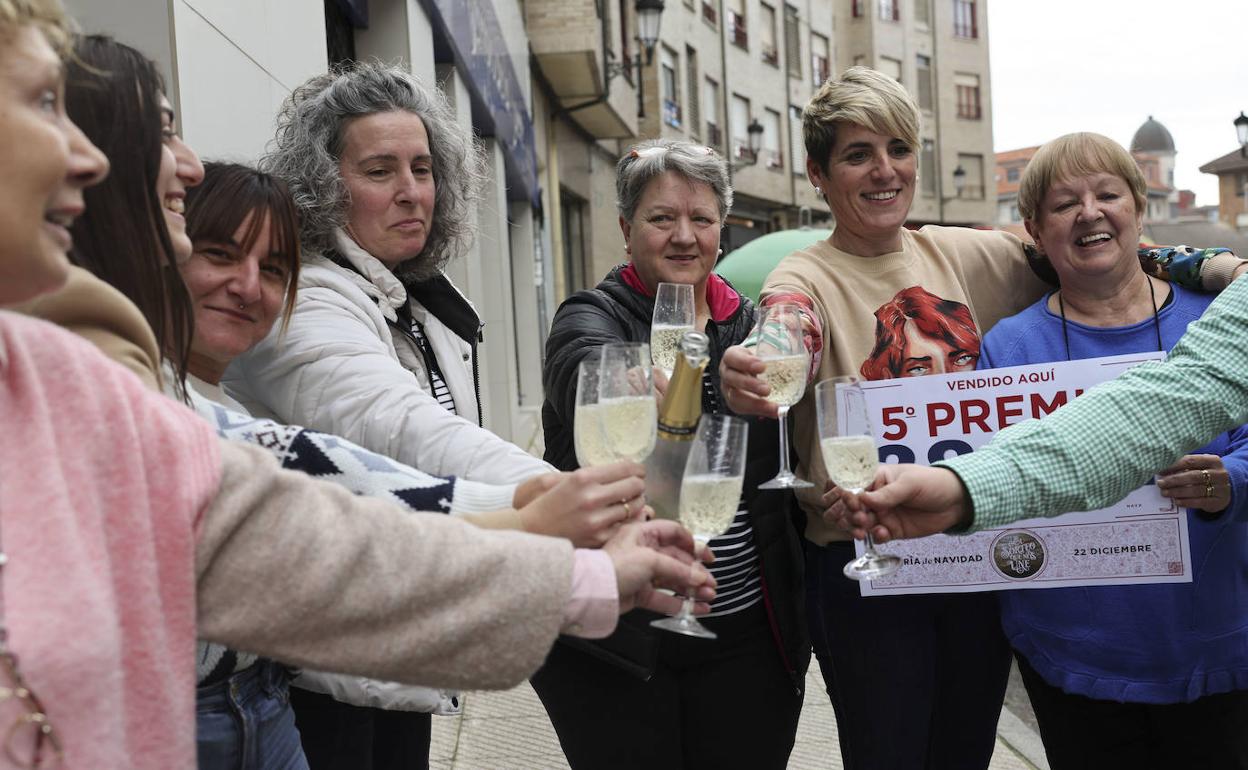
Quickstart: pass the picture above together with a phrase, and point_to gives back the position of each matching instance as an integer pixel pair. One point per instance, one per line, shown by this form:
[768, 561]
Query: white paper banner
[1141, 539]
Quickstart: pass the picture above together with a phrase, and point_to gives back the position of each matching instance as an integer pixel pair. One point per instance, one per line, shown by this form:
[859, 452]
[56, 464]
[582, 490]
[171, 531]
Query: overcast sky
[1106, 65]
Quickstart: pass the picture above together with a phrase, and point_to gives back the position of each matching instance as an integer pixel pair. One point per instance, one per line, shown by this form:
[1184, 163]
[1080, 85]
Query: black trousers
[338, 736]
[1210, 733]
[916, 681]
[717, 704]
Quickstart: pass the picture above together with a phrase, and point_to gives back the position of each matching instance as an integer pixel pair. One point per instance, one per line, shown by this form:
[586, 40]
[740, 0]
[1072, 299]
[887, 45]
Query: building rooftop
[1152, 137]
[1230, 162]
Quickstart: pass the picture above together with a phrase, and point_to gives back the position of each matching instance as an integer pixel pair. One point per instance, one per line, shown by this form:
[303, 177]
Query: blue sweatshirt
[1160, 643]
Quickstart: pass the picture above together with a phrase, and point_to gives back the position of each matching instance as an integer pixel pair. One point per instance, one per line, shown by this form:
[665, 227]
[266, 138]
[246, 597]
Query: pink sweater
[100, 487]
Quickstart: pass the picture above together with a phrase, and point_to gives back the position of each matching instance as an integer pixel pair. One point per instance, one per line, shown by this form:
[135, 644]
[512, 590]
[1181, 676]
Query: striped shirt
[436, 382]
[1112, 439]
[736, 570]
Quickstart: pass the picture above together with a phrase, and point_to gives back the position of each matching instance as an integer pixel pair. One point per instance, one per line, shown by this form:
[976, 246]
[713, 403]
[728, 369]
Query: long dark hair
[231, 192]
[113, 93]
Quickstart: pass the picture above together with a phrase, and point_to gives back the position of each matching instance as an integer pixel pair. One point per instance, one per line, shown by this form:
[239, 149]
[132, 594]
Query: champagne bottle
[677, 425]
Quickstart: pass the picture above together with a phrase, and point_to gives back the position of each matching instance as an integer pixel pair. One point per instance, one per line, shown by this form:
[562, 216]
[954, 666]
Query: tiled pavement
[510, 731]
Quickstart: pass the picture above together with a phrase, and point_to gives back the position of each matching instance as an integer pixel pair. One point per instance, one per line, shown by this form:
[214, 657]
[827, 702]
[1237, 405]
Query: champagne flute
[710, 494]
[850, 458]
[587, 433]
[673, 316]
[626, 402]
[781, 347]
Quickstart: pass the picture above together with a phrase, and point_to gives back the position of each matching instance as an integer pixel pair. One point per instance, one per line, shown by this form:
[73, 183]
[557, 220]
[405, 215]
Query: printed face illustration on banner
[918, 333]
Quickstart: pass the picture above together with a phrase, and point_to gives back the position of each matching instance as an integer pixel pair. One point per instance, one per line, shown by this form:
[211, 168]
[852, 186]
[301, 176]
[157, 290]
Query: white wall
[236, 61]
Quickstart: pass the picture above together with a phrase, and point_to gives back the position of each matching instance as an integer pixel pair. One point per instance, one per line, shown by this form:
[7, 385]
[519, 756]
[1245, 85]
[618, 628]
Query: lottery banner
[1140, 539]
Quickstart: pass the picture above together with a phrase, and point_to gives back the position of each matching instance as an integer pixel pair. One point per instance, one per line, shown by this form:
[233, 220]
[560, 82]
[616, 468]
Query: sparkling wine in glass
[781, 347]
[850, 458]
[588, 436]
[673, 316]
[710, 494]
[626, 404]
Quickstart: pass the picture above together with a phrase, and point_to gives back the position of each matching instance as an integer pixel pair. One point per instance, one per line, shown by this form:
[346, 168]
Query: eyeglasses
[30, 742]
[656, 150]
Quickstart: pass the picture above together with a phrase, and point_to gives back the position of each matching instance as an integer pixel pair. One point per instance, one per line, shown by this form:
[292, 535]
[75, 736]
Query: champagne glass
[710, 494]
[850, 458]
[626, 402]
[587, 432]
[673, 316]
[781, 347]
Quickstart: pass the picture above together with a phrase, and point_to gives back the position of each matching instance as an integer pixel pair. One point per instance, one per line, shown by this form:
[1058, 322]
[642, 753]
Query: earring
[818, 190]
[719, 253]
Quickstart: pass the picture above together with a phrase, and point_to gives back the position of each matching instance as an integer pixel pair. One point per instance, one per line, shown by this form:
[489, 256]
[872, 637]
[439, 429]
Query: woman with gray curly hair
[381, 346]
[692, 699]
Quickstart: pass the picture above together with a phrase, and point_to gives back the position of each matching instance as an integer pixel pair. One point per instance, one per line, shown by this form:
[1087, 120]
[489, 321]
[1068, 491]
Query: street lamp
[754, 143]
[649, 15]
[1241, 129]
[959, 184]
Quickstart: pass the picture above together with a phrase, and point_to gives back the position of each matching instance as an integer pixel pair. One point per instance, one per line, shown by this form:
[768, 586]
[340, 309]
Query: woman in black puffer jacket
[643, 697]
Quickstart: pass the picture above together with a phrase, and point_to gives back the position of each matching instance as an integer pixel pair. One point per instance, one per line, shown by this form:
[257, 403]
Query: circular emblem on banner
[1018, 554]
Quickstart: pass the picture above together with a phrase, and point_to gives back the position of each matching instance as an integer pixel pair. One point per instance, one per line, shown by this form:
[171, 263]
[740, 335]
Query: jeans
[246, 722]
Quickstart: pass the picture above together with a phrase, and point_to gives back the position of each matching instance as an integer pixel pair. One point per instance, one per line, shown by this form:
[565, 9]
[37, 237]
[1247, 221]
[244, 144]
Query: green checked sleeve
[1093, 451]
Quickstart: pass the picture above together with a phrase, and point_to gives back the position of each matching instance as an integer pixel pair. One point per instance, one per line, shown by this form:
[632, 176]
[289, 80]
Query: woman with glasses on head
[734, 701]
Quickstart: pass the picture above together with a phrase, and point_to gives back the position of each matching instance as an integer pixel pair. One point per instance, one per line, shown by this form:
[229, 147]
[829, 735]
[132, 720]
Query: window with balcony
[890, 10]
[973, 165]
[693, 99]
[968, 96]
[710, 108]
[1012, 174]
[771, 141]
[767, 35]
[856, 8]
[820, 66]
[709, 14]
[669, 87]
[792, 42]
[797, 153]
[626, 54]
[923, 12]
[740, 128]
[891, 67]
[964, 24]
[923, 75]
[736, 24]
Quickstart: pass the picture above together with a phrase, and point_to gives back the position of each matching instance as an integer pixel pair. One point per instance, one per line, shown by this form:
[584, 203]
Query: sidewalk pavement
[509, 731]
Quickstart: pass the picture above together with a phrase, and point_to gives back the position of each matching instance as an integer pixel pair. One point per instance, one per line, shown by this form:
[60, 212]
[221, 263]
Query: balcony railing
[771, 55]
[775, 162]
[743, 152]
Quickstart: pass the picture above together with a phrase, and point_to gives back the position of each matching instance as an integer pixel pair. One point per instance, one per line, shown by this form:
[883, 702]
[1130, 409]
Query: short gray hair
[309, 142]
[653, 157]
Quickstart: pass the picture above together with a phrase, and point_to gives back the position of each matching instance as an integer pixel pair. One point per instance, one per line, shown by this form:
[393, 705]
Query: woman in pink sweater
[124, 522]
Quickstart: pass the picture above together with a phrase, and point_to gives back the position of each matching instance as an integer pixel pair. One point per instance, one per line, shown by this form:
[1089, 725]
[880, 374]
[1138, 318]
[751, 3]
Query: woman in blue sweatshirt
[1139, 675]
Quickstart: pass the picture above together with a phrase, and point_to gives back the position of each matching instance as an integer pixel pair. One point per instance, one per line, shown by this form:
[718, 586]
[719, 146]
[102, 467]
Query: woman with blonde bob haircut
[934, 664]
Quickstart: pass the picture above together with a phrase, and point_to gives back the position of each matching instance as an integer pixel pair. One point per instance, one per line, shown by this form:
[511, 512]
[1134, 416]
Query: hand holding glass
[673, 316]
[710, 495]
[626, 404]
[850, 458]
[781, 347]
